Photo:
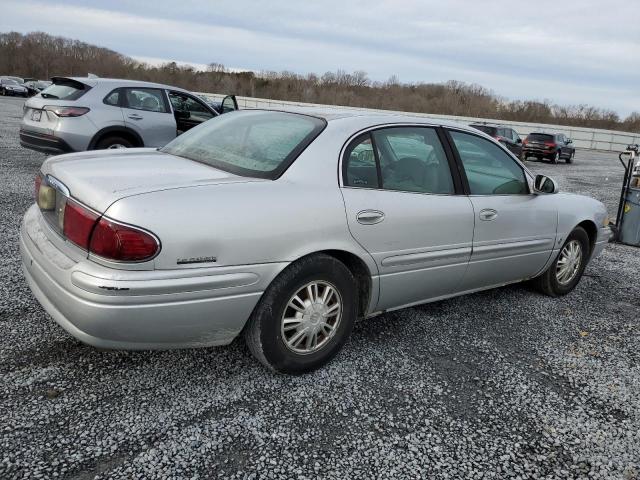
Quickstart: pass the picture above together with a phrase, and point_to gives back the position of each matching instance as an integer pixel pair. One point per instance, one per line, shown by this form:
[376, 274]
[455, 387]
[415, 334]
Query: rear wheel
[305, 316]
[555, 157]
[565, 272]
[569, 159]
[113, 142]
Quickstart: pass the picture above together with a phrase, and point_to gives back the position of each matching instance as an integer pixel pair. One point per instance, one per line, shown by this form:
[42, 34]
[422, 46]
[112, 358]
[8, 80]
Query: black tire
[548, 282]
[556, 156]
[111, 142]
[263, 333]
[569, 159]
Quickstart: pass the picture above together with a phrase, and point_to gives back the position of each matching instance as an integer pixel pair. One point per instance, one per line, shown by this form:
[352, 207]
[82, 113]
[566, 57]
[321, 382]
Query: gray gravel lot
[501, 384]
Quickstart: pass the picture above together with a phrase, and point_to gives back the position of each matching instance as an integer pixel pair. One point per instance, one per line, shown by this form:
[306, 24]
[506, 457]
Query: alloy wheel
[311, 317]
[569, 262]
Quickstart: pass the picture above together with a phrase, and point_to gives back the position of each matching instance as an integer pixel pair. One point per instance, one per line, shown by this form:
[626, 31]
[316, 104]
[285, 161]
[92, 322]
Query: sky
[567, 51]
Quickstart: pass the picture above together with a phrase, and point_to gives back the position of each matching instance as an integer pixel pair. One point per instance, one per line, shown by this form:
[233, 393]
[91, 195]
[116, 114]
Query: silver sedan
[285, 227]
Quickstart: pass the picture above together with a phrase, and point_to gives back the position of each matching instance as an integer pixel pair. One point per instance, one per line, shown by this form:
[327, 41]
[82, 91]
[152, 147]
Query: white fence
[587, 138]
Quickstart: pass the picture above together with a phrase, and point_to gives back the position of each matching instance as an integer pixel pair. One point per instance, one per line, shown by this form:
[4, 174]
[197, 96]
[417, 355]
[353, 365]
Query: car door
[147, 112]
[517, 142]
[189, 111]
[402, 206]
[515, 230]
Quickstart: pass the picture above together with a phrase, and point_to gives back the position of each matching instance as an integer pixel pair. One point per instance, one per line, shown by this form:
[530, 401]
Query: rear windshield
[541, 137]
[249, 143]
[65, 90]
[485, 129]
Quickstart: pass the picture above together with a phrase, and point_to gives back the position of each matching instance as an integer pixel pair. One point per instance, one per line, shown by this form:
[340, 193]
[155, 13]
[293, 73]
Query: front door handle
[370, 217]
[135, 116]
[488, 214]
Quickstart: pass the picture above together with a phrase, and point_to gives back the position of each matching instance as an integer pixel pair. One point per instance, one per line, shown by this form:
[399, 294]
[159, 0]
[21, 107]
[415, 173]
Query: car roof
[121, 82]
[372, 118]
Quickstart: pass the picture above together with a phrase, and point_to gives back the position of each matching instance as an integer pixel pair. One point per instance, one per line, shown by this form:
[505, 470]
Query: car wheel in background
[113, 142]
[566, 270]
[555, 157]
[305, 316]
[569, 159]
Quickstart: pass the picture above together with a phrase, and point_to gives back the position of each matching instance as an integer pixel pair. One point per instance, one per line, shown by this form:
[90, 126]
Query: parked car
[8, 86]
[551, 146]
[504, 134]
[36, 86]
[90, 113]
[287, 226]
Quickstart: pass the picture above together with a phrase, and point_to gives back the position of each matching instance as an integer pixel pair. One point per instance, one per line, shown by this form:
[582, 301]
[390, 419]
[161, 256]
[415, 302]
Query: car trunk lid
[99, 178]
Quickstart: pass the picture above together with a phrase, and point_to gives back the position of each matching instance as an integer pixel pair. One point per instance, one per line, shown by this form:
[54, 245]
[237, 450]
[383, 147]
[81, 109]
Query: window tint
[149, 99]
[488, 130]
[250, 143]
[66, 90]
[514, 134]
[490, 171]
[113, 98]
[540, 137]
[412, 160]
[359, 164]
[196, 111]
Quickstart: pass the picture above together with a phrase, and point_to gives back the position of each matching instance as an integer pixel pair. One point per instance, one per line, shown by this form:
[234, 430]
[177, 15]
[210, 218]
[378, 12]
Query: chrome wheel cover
[311, 317]
[116, 145]
[569, 262]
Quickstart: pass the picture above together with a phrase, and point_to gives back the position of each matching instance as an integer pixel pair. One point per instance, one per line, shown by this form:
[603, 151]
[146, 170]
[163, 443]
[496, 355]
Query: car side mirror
[229, 104]
[544, 184]
[569, 141]
[519, 140]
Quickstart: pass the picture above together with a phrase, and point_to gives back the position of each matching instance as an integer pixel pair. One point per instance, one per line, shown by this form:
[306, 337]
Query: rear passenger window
[359, 164]
[413, 160]
[113, 98]
[149, 99]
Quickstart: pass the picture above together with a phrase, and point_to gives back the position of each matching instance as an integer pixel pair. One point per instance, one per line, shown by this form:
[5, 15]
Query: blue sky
[569, 52]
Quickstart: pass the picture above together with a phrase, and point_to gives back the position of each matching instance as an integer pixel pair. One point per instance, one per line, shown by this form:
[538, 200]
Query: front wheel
[113, 142]
[565, 272]
[570, 157]
[305, 316]
[555, 157]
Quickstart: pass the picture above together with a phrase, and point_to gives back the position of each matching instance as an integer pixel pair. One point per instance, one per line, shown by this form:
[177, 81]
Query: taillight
[45, 195]
[123, 243]
[550, 144]
[66, 111]
[78, 223]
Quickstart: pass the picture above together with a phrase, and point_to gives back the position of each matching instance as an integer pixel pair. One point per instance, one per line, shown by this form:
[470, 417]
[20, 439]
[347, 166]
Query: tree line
[40, 55]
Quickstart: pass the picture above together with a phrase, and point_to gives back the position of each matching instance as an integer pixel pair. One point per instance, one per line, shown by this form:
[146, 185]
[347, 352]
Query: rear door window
[540, 137]
[148, 99]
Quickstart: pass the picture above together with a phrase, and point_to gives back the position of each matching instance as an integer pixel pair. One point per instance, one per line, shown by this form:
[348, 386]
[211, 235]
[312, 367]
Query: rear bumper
[42, 142]
[538, 152]
[123, 309]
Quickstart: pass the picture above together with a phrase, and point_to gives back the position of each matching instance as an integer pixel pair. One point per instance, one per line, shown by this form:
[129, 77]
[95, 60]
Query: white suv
[76, 114]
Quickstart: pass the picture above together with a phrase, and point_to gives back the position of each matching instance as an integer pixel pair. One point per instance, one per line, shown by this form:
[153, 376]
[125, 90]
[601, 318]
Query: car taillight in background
[550, 144]
[91, 231]
[66, 111]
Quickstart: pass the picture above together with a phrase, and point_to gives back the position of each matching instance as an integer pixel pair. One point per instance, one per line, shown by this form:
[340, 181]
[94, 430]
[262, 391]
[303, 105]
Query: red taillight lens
[122, 243]
[78, 223]
[66, 111]
[550, 144]
[37, 186]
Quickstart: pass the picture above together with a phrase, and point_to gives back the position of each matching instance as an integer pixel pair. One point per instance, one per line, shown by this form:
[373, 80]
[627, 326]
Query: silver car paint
[156, 129]
[256, 228]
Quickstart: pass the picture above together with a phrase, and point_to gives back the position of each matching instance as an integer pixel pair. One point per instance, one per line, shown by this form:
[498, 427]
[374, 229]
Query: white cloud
[580, 53]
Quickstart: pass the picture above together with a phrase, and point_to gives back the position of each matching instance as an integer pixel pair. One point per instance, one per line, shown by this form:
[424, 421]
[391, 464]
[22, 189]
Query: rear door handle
[370, 217]
[135, 116]
[488, 214]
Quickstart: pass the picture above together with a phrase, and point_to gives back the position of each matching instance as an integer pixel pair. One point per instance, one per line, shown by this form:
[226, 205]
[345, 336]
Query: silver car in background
[90, 113]
[289, 226]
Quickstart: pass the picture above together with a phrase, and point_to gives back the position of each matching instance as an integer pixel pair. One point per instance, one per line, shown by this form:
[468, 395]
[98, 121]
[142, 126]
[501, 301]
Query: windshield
[8, 81]
[485, 129]
[541, 137]
[249, 143]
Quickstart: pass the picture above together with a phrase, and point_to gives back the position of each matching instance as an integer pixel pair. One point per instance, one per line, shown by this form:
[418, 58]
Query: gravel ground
[501, 384]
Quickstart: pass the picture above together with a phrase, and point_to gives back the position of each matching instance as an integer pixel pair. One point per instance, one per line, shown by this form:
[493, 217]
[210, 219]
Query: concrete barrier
[586, 138]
